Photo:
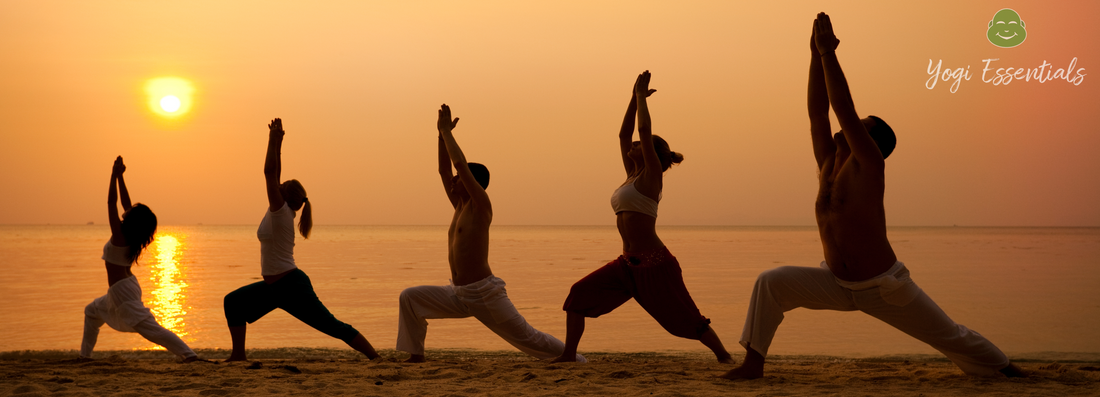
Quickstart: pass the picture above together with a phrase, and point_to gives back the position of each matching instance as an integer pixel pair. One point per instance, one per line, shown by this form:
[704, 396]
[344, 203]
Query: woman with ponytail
[284, 286]
[122, 308]
[646, 271]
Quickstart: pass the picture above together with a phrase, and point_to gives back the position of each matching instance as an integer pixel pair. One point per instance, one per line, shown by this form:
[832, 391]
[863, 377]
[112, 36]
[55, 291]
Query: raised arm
[651, 179]
[445, 173]
[626, 132]
[817, 103]
[124, 194]
[273, 164]
[855, 133]
[112, 204]
[446, 125]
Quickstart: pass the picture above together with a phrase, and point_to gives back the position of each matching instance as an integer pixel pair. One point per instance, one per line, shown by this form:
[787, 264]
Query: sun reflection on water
[169, 288]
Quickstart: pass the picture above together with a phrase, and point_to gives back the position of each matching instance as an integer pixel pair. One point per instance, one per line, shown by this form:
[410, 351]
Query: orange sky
[541, 89]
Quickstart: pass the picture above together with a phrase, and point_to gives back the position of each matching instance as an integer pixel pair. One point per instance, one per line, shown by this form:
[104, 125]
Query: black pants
[292, 293]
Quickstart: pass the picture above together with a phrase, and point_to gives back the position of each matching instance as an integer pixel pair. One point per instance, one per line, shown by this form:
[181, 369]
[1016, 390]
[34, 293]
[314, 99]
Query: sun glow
[168, 298]
[170, 103]
[169, 96]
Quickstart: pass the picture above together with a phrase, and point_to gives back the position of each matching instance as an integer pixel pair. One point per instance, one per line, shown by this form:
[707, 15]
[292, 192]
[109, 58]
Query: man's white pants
[486, 300]
[891, 297]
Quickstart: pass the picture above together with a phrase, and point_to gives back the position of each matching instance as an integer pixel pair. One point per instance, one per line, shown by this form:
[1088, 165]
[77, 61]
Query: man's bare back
[850, 215]
[468, 243]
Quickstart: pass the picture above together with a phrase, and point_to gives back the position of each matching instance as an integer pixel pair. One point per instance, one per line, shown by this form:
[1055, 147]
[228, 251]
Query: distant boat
[91, 223]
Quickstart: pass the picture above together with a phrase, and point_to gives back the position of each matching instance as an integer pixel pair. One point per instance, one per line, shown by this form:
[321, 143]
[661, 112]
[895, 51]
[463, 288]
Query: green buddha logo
[1006, 30]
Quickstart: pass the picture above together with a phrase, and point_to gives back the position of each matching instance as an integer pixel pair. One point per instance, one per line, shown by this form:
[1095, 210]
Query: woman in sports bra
[646, 271]
[122, 308]
[284, 286]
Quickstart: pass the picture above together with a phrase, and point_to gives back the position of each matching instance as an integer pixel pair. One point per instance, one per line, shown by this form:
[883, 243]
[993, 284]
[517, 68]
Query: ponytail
[293, 191]
[305, 223]
[675, 157]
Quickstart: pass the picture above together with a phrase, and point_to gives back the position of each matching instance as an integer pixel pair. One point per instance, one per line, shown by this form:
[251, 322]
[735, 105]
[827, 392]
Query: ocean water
[1029, 290]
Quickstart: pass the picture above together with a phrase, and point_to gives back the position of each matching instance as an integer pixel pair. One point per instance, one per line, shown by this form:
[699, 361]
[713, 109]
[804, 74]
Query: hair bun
[676, 157]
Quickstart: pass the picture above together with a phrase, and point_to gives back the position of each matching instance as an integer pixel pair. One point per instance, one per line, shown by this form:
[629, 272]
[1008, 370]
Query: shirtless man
[860, 271]
[474, 291]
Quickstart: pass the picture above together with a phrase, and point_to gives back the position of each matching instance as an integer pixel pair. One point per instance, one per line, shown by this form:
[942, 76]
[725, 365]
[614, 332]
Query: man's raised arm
[855, 133]
[446, 125]
[817, 104]
[445, 170]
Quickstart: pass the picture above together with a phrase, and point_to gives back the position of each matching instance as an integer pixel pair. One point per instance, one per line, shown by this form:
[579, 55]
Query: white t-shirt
[276, 236]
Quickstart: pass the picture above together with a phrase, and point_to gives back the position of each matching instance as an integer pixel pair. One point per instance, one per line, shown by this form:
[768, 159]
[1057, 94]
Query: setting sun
[170, 103]
[169, 96]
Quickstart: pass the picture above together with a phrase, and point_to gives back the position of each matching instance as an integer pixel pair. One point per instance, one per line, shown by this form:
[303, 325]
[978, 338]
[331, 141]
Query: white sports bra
[116, 255]
[628, 198]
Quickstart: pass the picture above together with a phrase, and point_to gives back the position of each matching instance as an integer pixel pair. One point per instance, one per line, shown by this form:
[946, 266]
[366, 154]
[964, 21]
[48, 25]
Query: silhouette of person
[122, 308]
[860, 271]
[474, 290]
[285, 286]
[646, 271]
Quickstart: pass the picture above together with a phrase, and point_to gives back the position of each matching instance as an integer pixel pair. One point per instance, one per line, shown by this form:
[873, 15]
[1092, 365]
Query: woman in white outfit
[122, 308]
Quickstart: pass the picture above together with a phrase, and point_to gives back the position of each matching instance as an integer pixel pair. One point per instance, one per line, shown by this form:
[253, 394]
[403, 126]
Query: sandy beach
[470, 372]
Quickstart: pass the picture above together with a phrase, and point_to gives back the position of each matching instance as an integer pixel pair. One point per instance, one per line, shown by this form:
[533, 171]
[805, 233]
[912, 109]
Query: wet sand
[311, 371]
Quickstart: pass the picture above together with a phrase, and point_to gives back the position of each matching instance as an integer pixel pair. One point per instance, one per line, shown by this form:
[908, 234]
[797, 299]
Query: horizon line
[550, 225]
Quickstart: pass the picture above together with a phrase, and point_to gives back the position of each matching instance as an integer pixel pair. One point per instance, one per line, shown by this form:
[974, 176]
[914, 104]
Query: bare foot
[236, 357]
[744, 372]
[727, 359]
[415, 358]
[752, 368]
[565, 358]
[1012, 371]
